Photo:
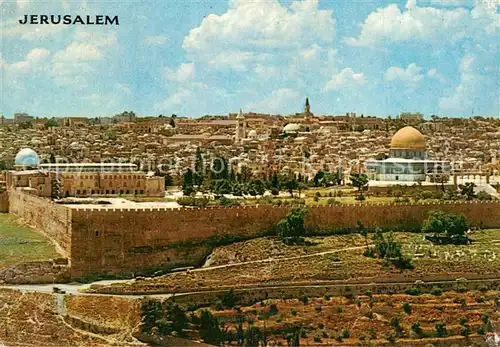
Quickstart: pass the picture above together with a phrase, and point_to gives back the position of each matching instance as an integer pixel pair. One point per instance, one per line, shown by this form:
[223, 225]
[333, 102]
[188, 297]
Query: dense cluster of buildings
[302, 143]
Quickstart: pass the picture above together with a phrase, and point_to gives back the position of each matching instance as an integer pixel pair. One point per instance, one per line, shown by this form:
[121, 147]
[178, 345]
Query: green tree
[199, 169]
[360, 181]
[51, 123]
[467, 190]
[290, 184]
[245, 174]
[292, 227]
[440, 222]
[209, 328]
[55, 188]
[169, 181]
[188, 181]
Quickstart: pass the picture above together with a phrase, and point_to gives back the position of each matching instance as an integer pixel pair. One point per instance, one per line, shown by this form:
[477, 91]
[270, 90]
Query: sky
[193, 58]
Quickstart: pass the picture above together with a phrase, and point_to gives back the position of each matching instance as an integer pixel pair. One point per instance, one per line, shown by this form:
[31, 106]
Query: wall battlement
[257, 206]
[102, 241]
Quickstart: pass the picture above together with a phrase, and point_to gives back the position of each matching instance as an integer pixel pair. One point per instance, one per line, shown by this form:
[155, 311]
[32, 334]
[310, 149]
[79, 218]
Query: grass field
[19, 243]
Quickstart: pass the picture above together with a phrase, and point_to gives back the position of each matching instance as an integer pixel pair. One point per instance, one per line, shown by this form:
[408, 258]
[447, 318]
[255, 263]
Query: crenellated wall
[116, 240]
[43, 214]
[105, 241]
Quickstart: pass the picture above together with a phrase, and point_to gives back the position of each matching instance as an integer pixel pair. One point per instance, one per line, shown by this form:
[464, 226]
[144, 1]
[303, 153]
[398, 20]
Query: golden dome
[408, 138]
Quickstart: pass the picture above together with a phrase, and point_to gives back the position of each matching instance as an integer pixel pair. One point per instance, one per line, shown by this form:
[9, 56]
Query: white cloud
[185, 72]
[35, 60]
[428, 24]
[279, 100]
[94, 38]
[346, 78]
[187, 98]
[156, 40]
[78, 51]
[247, 33]
[411, 74]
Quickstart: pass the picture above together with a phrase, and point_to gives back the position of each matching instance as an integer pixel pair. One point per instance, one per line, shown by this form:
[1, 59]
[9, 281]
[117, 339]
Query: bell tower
[307, 110]
[240, 127]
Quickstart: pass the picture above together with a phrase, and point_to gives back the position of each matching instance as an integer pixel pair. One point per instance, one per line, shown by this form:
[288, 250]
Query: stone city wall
[43, 214]
[113, 241]
[140, 241]
[4, 201]
[50, 271]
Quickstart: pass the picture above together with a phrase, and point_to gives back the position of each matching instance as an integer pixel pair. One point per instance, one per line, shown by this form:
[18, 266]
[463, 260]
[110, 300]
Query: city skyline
[191, 59]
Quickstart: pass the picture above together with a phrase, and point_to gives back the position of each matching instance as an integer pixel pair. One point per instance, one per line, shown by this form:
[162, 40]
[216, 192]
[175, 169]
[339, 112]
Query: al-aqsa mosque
[407, 160]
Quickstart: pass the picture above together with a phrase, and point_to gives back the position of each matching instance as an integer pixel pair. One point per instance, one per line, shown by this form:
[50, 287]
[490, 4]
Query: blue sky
[194, 58]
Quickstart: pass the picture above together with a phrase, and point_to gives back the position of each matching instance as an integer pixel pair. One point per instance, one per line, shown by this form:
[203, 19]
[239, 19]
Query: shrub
[480, 299]
[316, 199]
[321, 326]
[223, 201]
[273, 309]
[461, 288]
[318, 194]
[463, 320]
[441, 329]
[485, 318]
[464, 331]
[293, 311]
[317, 338]
[333, 201]
[345, 333]
[480, 330]
[339, 338]
[415, 327]
[369, 252]
[229, 298]
[413, 291]
[339, 309]
[373, 335]
[304, 299]
[483, 288]
[218, 305]
[436, 291]
[324, 334]
[303, 334]
[407, 308]
[368, 293]
[327, 297]
[482, 195]
[360, 198]
[275, 191]
[362, 337]
[192, 201]
[391, 338]
[318, 308]
[439, 308]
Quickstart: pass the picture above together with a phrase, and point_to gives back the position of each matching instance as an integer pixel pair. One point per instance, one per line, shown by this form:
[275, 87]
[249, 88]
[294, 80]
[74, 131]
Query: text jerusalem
[69, 19]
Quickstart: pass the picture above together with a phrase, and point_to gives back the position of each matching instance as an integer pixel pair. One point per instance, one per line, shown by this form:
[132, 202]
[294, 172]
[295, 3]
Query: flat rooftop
[114, 203]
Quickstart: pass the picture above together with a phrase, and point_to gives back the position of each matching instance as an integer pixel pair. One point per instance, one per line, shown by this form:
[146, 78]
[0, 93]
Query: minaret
[240, 127]
[307, 110]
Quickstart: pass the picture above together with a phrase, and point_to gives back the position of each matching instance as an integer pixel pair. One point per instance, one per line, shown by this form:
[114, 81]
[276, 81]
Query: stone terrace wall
[4, 201]
[50, 271]
[43, 214]
[112, 241]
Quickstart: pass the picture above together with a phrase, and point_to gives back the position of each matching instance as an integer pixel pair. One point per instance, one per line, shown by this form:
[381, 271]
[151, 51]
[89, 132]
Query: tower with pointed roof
[240, 127]
[307, 110]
